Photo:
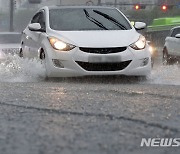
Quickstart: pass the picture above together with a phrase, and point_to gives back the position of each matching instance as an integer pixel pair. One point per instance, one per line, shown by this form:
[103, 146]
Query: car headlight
[60, 45]
[139, 44]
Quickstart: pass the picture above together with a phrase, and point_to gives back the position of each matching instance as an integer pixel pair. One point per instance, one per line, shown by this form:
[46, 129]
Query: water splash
[16, 69]
[165, 75]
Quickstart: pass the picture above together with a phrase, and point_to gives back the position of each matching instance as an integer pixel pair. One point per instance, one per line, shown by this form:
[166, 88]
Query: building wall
[117, 3]
[170, 2]
[69, 2]
[95, 2]
[4, 5]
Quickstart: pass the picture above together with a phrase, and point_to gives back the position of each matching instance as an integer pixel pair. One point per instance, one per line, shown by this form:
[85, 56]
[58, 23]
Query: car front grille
[103, 66]
[103, 50]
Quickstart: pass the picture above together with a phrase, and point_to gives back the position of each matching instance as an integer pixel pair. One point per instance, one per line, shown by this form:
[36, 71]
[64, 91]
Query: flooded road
[15, 69]
[86, 115]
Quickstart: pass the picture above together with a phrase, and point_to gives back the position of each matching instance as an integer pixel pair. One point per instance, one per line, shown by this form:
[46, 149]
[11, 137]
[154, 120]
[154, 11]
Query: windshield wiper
[111, 19]
[94, 20]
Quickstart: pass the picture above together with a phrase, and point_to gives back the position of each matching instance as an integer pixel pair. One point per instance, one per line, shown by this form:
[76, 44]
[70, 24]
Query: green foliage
[148, 15]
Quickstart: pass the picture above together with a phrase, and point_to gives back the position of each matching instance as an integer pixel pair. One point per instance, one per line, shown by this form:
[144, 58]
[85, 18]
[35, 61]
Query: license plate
[104, 59]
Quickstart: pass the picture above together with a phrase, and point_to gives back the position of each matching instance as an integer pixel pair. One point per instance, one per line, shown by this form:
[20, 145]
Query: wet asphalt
[108, 115]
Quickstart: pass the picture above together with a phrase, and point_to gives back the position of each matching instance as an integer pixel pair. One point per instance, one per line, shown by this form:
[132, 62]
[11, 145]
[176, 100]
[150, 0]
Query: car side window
[41, 20]
[170, 33]
[35, 18]
[175, 31]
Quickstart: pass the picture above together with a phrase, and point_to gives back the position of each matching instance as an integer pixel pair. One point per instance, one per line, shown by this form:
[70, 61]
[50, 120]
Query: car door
[27, 38]
[176, 43]
[173, 43]
[32, 43]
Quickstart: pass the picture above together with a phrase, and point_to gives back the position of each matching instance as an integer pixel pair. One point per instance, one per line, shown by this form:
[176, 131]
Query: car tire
[166, 57]
[143, 78]
[21, 53]
[42, 55]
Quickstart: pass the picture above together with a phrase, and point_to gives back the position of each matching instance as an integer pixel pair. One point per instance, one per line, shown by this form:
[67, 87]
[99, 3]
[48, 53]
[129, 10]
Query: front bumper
[77, 63]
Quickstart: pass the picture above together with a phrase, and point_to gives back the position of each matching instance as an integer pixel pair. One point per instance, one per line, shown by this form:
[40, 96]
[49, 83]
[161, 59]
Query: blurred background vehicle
[9, 43]
[160, 27]
[171, 49]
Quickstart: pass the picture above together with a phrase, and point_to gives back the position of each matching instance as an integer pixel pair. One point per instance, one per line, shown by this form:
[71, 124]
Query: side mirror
[35, 27]
[177, 36]
[139, 25]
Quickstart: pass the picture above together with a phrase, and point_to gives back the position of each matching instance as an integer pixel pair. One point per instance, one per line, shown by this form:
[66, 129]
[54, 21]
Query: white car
[9, 44]
[171, 50]
[86, 40]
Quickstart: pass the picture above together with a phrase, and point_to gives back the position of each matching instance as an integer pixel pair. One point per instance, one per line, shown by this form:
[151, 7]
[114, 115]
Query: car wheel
[21, 53]
[166, 57]
[143, 78]
[42, 55]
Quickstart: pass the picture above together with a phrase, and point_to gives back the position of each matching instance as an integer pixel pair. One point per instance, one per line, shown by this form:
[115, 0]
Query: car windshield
[10, 38]
[79, 19]
[175, 31]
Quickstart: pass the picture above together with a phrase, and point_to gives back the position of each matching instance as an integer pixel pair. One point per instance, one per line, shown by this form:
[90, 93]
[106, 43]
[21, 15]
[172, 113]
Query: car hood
[114, 38]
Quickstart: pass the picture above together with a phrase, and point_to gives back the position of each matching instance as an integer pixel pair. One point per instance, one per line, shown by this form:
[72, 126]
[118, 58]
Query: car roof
[78, 7]
[175, 27]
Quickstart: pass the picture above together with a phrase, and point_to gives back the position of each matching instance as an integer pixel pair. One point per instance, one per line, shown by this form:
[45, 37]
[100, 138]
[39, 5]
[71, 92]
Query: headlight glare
[151, 49]
[140, 44]
[60, 45]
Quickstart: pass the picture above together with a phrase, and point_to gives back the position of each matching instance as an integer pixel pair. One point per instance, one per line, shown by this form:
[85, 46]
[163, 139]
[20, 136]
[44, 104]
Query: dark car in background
[171, 49]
